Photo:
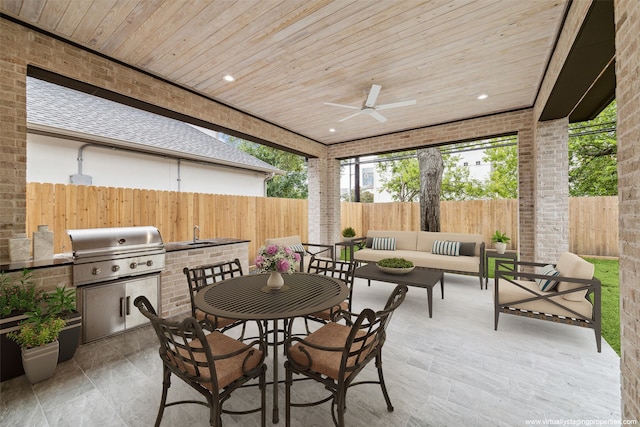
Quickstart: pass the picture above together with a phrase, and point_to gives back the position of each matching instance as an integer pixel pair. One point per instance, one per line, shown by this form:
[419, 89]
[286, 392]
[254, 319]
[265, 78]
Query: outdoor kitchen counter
[204, 243]
[57, 261]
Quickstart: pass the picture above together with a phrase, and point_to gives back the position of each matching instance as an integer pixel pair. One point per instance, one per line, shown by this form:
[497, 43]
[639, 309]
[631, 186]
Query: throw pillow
[297, 248]
[369, 243]
[384, 243]
[547, 284]
[445, 248]
[467, 248]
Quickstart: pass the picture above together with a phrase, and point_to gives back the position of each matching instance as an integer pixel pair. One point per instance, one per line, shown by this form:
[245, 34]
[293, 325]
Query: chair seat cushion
[326, 314]
[227, 370]
[220, 322]
[326, 362]
[509, 293]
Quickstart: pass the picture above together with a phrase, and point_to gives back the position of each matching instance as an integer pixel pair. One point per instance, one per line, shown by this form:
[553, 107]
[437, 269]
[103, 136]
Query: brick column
[627, 17]
[324, 200]
[13, 139]
[551, 187]
[526, 194]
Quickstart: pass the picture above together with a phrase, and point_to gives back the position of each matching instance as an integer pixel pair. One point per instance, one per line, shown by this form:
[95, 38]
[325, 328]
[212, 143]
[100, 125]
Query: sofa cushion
[547, 284]
[467, 248]
[509, 292]
[384, 244]
[426, 238]
[571, 265]
[405, 240]
[445, 248]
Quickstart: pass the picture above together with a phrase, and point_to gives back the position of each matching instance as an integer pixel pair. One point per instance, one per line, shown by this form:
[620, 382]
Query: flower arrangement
[278, 258]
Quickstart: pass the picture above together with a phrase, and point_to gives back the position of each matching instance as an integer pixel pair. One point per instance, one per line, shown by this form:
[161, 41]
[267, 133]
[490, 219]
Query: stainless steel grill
[102, 254]
[112, 266]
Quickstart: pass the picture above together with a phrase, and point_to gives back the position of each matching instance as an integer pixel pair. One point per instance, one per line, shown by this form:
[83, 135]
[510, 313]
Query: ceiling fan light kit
[370, 108]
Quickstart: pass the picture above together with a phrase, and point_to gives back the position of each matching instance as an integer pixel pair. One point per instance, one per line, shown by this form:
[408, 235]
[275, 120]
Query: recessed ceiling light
[332, 130]
[483, 96]
[228, 78]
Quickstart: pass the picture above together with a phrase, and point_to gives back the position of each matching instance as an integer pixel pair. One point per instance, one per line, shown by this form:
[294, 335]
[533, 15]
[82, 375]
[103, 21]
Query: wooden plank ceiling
[289, 57]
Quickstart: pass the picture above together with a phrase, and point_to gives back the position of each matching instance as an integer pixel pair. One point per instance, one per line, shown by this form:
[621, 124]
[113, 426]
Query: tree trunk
[431, 169]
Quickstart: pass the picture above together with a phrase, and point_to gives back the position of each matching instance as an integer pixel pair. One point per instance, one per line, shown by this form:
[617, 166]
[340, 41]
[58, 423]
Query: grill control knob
[149, 263]
[96, 271]
[115, 268]
[133, 265]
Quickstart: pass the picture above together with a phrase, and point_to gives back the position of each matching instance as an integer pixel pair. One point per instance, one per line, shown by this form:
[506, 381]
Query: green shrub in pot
[37, 330]
[395, 263]
[349, 232]
[18, 296]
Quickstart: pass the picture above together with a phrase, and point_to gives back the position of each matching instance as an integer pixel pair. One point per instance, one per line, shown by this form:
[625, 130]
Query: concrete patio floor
[450, 370]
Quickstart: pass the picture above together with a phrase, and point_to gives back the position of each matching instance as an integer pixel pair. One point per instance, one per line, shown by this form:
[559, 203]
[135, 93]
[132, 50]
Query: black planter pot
[69, 337]
[10, 355]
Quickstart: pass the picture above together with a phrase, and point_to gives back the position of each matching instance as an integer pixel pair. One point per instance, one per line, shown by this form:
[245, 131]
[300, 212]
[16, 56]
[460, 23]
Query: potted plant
[500, 241]
[18, 295]
[38, 340]
[62, 303]
[348, 233]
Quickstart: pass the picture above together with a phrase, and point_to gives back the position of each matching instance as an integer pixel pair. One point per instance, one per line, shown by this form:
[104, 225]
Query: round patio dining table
[247, 298]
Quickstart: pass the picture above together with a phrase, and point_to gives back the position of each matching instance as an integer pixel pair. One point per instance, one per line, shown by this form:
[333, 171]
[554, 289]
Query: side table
[349, 245]
[491, 253]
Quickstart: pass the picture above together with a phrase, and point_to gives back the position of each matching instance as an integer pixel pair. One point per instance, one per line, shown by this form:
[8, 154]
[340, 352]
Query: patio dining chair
[304, 249]
[336, 353]
[203, 276]
[342, 270]
[213, 364]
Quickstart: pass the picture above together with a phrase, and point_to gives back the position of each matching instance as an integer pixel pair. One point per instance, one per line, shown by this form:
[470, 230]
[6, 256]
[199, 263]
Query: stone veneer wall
[551, 190]
[627, 16]
[174, 292]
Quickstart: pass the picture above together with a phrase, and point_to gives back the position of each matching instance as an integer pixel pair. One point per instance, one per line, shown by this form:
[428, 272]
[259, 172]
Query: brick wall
[175, 290]
[324, 200]
[627, 16]
[551, 190]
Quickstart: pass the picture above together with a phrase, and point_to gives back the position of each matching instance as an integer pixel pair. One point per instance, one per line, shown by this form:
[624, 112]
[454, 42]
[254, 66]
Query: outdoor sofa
[565, 292]
[451, 252]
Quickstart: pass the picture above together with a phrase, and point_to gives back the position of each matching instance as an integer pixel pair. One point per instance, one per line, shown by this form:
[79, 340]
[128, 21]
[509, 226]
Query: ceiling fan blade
[350, 116]
[396, 105]
[341, 105]
[373, 95]
[379, 117]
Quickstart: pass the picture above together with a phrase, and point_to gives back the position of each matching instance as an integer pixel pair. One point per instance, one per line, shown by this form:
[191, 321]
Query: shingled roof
[73, 112]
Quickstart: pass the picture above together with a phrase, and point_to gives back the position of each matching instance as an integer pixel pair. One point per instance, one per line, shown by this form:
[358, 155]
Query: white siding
[54, 160]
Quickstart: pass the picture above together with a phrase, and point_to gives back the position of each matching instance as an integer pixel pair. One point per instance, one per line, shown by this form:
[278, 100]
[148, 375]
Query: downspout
[179, 179]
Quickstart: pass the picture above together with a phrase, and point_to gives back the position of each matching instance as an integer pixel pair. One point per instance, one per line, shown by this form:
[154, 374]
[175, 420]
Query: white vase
[501, 247]
[40, 362]
[275, 280]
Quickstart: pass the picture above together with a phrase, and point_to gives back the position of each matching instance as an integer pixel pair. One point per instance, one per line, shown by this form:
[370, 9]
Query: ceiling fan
[370, 108]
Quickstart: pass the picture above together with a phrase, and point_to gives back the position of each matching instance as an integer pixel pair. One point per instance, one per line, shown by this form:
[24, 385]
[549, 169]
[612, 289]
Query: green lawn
[607, 271]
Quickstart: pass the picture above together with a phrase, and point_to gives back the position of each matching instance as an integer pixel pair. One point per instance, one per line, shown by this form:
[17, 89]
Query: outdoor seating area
[451, 370]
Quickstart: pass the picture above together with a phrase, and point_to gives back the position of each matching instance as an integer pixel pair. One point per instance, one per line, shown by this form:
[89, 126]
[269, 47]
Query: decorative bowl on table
[395, 265]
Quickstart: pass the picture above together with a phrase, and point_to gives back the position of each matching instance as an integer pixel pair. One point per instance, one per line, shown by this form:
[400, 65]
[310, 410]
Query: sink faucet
[196, 233]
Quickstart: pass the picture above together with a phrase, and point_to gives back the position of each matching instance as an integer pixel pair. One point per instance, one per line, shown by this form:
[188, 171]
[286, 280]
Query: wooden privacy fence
[593, 226]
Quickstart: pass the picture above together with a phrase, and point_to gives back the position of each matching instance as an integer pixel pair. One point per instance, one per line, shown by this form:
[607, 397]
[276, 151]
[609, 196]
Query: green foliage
[457, 183]
[503, 180]
[61, 301]
[499, 237]
[37, 330]
[20, 295]
[292, 185]
[395, 263]
[365, 196]
[401, 178]
[593, 169]
[348, 232]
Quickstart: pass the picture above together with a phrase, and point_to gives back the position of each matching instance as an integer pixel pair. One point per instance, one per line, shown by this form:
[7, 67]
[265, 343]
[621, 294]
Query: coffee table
[420, 277]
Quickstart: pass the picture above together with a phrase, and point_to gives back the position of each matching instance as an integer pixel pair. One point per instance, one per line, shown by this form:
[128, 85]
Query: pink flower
[272, 249]
[283, 265]
[296, 256]
[259, 261]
